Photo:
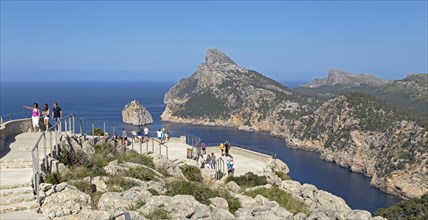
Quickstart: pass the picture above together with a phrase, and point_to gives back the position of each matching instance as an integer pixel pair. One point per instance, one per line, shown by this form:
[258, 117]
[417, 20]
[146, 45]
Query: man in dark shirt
[57, 112]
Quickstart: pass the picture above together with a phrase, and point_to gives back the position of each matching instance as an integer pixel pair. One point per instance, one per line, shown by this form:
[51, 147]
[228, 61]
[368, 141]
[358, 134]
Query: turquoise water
[97, 101]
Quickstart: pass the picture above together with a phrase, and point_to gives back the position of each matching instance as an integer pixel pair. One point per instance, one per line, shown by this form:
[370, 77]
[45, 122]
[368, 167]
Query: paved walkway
[178, 150]
[16, 193]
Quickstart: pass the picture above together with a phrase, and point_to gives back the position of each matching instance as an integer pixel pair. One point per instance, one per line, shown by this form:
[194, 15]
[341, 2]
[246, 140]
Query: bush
[54, 178]
[77, 172]
[157, 213]
[140, 173]
[107, 150]
[282, 175]
[70, 157]
[192, 173]
[248, 180]
[97, 132]
[283, 198]
[201, 192]
[134, 157]
[119, 183]
[95, 197]
[162, 170]
[83, 186]
[416, 208]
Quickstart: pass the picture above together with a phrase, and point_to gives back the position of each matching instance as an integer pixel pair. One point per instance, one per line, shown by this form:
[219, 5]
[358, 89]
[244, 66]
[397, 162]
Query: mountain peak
[215, 56]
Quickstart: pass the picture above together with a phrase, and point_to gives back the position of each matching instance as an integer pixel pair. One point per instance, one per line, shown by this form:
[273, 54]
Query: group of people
[224, 148]
[142, 135]
[35, 115]
[163, 134]
[209, 162]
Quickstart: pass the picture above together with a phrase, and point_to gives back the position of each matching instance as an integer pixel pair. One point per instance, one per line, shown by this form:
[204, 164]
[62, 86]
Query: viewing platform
[23, 155]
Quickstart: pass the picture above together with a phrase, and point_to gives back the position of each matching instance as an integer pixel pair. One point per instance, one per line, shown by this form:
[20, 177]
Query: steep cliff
[356, 131]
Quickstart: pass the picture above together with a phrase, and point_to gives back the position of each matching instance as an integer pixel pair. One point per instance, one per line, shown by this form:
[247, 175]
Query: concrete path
[17, 200]
[178, 150]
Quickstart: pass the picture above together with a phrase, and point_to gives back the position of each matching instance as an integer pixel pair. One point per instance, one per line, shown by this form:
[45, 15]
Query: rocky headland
[136, 114]
[101, 182]
[356, 131]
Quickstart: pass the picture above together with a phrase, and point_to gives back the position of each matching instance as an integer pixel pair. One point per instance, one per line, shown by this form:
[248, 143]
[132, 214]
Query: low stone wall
[12, 128]
[243, 152]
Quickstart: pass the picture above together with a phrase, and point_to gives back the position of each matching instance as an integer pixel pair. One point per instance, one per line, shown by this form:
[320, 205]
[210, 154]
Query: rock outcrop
[136, 114]
[340, 77]
[353, 130]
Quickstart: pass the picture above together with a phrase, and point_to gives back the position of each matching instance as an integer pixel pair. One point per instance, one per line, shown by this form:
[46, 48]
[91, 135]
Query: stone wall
[243, 152]
[12, 128]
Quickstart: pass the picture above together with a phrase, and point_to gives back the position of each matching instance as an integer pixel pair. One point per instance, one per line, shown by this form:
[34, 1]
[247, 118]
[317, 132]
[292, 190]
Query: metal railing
[9, 117]
[265, 152]
[66, 124]
[191, 140]
[219, 168]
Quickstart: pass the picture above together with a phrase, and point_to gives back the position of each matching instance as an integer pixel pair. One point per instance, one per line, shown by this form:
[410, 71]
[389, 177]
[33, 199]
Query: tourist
[203, 147]
[146, 134]
[139, 135]
[208, 162]
[222, 149]
[213, 159]
[45, 114]
[159, 133]
[230, 165]
[227, 148]
[57, 114]
[35, 115]
[124, 137]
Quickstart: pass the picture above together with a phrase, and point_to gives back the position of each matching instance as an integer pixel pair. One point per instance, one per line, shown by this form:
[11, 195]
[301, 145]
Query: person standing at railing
[203, 147]
[57, 114]
[35, 116]
[227, 146]
[222, 149]
[124, 139]
[45, 114]
[146, 134]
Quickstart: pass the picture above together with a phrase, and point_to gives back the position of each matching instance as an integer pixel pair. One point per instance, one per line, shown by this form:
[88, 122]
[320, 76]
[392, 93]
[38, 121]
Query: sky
[167, 40]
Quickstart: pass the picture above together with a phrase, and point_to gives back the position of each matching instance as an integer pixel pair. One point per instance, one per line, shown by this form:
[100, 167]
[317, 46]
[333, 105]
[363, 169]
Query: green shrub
[162, 170]
[283, 198]
[54, 178]
[95, 197]
[83, 186]
[201, 192]
[153, 192]
[282, 175]
[134, 157]
[157, 213]
[97, 132]
[140, 173]
[119, 183]
[248, 180]
[192, 173]
[416, 208]
[107, 150]
[71, 157]
[77, 172]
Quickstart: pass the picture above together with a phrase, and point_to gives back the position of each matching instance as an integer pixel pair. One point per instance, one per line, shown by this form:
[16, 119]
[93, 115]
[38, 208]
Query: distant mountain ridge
[356, 131]
[336, 76]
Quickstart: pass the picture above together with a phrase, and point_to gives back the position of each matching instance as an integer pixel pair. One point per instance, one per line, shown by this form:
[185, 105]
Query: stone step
[23, 215]
[17, 185]
[16, 199]
[24, 206]
[16, 191]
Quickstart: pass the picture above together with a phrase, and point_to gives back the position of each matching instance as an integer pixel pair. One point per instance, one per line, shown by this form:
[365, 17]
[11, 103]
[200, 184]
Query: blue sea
[98, 101]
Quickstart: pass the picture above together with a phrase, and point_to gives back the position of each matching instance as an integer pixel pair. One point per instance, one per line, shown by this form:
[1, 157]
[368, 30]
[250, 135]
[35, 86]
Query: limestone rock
[115, 202]
[232, 186]
[172, 168]
[359, 214]
[66, 202]
[136, 114]
[219, 202]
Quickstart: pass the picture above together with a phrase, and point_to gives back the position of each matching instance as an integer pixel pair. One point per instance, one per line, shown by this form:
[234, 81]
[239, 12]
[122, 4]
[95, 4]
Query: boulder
[260, 208]
[219, 202]
[172, 168]
[178, 207]
[232, 186]
[115, 202]
[69, 201]
[358, 214]
[136, 114]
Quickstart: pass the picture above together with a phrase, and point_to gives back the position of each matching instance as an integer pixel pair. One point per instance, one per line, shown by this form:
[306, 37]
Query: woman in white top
[45, 114]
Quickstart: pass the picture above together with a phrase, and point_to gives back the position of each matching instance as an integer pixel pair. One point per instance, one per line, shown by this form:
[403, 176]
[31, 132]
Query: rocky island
[136, 114]
[355, 130]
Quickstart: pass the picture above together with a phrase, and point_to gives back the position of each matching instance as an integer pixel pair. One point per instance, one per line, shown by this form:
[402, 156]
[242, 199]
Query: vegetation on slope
[407, 209]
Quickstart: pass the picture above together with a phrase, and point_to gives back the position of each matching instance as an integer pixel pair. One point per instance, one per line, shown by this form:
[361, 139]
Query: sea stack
[136, 114]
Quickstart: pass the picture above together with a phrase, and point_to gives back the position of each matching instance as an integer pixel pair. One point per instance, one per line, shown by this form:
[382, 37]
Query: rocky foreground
[153, 187]
[354, 130]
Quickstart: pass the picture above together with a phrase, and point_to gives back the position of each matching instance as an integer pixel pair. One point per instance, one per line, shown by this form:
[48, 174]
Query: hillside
[356, 131]
[410, 93]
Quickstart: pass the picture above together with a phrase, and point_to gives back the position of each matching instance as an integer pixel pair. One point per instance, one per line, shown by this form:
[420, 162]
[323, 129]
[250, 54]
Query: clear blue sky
[143, 40]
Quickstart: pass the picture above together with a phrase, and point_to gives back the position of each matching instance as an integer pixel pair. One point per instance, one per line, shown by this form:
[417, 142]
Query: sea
[102, 101]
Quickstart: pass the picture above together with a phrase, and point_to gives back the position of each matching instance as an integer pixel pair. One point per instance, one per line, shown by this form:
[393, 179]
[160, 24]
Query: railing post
[93, 133]
[65, 123]
[56, 143]
[45, 150]
[69, 124]
[74, 124]
[104, 128]
[50, 142]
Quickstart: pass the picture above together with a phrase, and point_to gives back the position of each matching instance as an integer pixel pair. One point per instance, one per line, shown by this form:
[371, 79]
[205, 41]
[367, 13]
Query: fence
[12, 116]
[265, 152]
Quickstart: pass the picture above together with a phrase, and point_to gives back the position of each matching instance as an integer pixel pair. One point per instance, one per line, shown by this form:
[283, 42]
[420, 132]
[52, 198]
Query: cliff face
[356, 131]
